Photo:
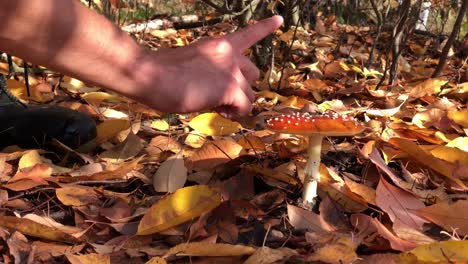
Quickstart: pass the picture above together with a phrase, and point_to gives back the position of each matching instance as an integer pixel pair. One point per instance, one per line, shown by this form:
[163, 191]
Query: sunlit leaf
[183, 205]
[213, 124]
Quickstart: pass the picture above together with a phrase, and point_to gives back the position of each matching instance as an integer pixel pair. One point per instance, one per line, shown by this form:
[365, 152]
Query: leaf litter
[166, 188]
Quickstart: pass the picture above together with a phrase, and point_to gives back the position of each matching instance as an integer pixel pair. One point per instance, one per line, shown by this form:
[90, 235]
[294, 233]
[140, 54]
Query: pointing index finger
[246, 37]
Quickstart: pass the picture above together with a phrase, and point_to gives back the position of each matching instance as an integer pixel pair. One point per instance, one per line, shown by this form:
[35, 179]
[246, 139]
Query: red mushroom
[315, 127]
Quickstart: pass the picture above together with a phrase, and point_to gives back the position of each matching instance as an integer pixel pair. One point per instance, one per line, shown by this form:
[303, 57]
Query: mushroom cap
[328, 124]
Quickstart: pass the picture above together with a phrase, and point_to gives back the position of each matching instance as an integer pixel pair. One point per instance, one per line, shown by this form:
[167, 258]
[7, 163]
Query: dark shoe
[36, 126]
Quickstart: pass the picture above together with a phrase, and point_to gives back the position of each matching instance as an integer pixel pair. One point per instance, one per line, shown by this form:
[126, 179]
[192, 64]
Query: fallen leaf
[213, 124]
[31, 228]
[171, 175]
[270, 173]
[368, 225]
[183, 205]
[266, 255]
[110, 128]
[442, 252]
[427, 87]
[440, 166]
[209, 250]
[46, 252]
[89, 259]
[118, 173]
[160, 124]
[215, 153]
[252, 142]
[340, 250]
[398, 204]
[76, 195]
[304, 219]
[123, 151]
[450, 216]
[459, 117]
[366, 192]
[452, 155]
[410, 234]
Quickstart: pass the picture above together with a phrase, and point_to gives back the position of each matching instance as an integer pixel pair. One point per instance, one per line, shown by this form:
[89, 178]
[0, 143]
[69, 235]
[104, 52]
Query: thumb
[246, 37]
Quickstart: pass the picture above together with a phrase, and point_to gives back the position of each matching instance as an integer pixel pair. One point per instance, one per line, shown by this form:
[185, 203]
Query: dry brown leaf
[270, 173]
[427, 87]
[408, 233]
[209, 249]
[340, 250]
[46, 252]
[366, 192]
[450, 216]
[266, 255]
[398, 204]
[441, 166]
[216, 153]
[159, 144]
[304, 219]
[77, 195]
[125, 150]
[368, 225]
[119, 173]
[171, 175]
[252, 142]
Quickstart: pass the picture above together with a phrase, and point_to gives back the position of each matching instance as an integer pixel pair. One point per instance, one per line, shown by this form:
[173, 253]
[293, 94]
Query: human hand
[208, 74]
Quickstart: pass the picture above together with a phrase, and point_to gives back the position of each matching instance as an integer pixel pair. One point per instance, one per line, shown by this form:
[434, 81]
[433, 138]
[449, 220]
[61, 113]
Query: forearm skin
[64, 35]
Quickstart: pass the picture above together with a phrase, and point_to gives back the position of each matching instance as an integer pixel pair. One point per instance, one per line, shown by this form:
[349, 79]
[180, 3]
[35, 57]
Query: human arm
[66, 36]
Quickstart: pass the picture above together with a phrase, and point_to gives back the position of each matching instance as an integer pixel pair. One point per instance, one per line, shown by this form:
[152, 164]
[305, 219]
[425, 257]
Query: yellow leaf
[160, 124]
[195, 139]
[459, 117]
[460, 143]
[76, 86]
[166, 33]
[205, 249]
[156, 260]
[96, 98]
[183, 205]
[110, 128]
[31, 228]
[89, 259]
[213, 124]
[454, 251]
[452, 155]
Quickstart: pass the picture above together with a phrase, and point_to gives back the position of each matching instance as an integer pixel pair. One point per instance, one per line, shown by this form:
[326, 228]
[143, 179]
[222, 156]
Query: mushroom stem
[312, 174]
